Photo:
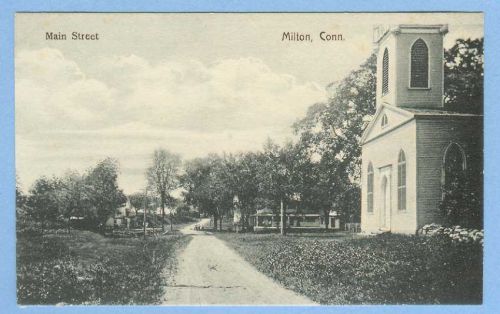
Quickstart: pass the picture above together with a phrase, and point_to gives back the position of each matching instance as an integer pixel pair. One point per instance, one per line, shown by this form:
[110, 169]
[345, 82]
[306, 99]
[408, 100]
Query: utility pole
[283, 220]
[171, 218]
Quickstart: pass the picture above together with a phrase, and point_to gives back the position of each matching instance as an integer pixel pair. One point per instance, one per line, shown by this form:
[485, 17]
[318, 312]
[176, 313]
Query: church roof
[437, 112]
[414, 113]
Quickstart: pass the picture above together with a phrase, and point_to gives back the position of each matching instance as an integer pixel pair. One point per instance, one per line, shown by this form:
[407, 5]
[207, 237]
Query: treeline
[320, 170]
[265, 179]
[51, 201]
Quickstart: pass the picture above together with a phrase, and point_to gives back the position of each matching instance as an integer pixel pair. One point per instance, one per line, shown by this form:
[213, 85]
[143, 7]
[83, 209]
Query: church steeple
[410, 65]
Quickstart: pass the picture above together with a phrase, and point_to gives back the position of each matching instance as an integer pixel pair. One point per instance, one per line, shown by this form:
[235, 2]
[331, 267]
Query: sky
[191, 83]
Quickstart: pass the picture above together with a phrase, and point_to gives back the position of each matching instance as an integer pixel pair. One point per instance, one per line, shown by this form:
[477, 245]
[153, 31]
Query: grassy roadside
[386, 269]
[87, 268]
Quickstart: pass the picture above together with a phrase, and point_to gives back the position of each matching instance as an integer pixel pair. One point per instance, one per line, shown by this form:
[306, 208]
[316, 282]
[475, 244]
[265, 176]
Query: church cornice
[388, 130]
[412, 114]
[370, 126]
[409, 29]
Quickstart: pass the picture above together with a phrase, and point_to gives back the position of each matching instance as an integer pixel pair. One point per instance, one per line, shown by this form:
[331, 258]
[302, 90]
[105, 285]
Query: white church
[408, 146]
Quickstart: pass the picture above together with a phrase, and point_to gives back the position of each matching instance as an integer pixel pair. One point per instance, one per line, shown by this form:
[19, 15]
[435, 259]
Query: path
[209, 272]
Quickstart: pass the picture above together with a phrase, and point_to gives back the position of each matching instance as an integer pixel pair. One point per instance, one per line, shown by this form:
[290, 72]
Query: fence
[353, 227]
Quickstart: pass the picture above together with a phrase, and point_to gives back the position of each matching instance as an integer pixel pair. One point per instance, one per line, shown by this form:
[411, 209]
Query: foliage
[462, 205]
[385, 269]
[50, 271]
[321, 169]
[23, 221]
[20, 198]
[94, 195]
[455, 233]
[182, 209]
[335, 128]
[462, 202]
[162, 176]
[331, 131]
[137, 200]
[43, 203]
[258, 179]
[464, 77]
[279, 174]
[208, 185]
[246, 184]
[330, 134]
[102, 190]
[71, 195]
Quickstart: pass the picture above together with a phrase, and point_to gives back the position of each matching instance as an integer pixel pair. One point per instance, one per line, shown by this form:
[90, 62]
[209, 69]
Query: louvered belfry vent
[419, 77]
[385, 73]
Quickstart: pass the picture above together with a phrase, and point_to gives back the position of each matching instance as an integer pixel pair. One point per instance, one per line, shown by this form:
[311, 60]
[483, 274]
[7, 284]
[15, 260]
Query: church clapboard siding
[431, 150]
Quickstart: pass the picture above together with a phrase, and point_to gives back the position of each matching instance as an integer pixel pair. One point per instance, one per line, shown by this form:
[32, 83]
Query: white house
[411, 140]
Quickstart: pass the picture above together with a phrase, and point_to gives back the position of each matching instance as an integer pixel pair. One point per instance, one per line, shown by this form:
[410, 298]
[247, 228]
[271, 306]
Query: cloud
[236, 93]
[128, 106]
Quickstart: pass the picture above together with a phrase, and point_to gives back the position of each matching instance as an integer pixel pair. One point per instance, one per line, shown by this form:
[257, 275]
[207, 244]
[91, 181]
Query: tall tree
[71, 195]
[43, 205]
[463, 76]
[326, 182]
[278, 176]
[102, 190]
[137, 200]
[197, 185]
[330, 135]
[162, 177]
[245, 183]
[209, 184]
[21, 199]
[220, 188]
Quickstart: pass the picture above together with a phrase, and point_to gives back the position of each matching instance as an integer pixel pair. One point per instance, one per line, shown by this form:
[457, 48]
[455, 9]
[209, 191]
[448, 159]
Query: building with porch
[266, 219]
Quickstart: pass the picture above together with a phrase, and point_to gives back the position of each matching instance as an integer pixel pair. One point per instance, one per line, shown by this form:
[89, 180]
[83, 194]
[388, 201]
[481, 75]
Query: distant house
[123, 217]
[78, 222]
[413, 146]
[265, 219]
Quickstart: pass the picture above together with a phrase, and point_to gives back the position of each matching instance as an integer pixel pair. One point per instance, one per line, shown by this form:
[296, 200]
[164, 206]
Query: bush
[462, 202]
[51, 282]
[456, 233]
[125, 271]
[385, 269]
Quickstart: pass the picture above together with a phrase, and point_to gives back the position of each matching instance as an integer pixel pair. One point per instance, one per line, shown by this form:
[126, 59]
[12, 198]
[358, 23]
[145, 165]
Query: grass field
[385, 269]
[87, 268]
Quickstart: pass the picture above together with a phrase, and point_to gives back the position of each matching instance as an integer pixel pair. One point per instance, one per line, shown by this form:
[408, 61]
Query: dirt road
[209, 272]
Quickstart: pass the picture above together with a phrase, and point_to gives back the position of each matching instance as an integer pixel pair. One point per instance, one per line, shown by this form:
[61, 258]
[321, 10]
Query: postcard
[294, 159]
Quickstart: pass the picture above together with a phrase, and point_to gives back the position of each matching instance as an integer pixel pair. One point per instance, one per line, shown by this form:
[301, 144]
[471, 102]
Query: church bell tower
[410, 65]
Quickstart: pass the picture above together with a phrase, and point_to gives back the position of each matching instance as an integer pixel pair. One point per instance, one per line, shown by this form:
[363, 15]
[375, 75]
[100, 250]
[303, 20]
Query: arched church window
[369, 190]
[384, 121]
[401, 180]
[454, 166]
[385, 72]
[419, 76]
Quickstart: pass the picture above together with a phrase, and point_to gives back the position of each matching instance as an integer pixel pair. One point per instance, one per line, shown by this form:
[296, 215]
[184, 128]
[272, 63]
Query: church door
[385, 204]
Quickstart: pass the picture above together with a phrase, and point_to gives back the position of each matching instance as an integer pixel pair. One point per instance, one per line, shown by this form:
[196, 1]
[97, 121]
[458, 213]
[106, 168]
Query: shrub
[456, 233]
[51, 282]
[123, 271]
[392, 269]
[462, 202]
